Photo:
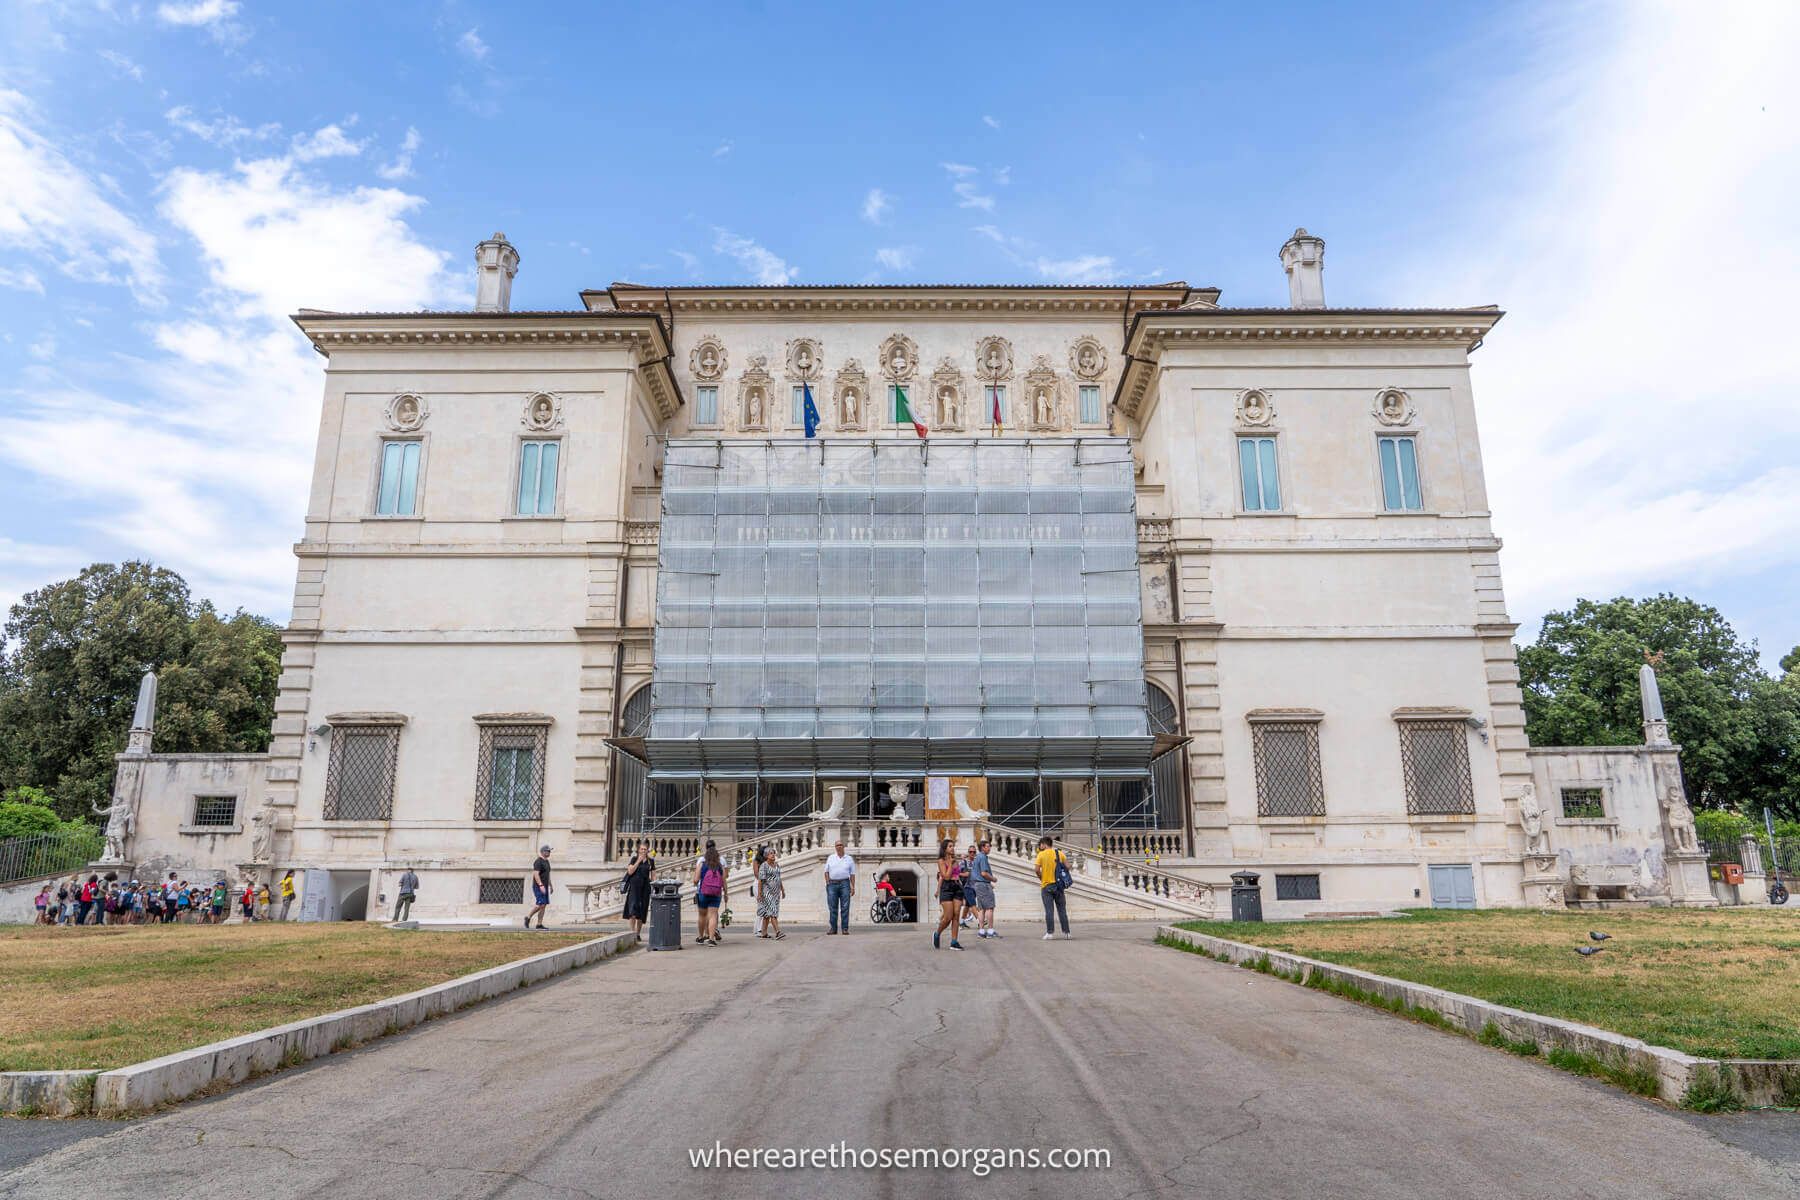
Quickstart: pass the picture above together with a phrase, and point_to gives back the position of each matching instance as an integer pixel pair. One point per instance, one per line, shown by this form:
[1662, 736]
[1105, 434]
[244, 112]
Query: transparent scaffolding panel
[953, 589]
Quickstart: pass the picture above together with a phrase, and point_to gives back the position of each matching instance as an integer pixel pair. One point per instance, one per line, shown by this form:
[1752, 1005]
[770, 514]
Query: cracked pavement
[1200, 1079]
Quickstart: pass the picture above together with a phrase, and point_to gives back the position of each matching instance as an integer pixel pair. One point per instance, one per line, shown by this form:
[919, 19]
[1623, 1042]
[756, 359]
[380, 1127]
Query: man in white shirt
[840, 886]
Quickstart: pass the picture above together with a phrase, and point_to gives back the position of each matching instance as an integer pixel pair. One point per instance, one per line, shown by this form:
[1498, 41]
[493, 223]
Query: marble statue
[1046, 411]
[960, 795]
[1681, 820]
[709, 362]
[850, 414]
[1089, 360]
[121, 823]
[1531, 816]
[753, 409]
[949, 412]
[995, 362]
[835, 810]
[899, 362]
[897, 792]
[262, 839]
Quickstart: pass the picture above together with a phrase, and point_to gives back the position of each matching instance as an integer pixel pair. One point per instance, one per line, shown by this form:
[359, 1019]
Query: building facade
[1193, 588]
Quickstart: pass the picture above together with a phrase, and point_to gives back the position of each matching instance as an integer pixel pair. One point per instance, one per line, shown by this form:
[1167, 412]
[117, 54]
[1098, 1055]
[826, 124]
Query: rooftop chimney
[1303, 258]
[496, 262]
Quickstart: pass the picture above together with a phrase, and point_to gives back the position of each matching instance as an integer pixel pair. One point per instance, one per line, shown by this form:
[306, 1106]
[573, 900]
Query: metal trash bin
[1246, 896]
[665, 914]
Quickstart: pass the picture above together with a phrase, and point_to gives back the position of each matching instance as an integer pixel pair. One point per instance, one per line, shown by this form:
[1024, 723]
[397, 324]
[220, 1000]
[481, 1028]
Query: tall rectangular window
[399, 491]
[797, 408]
[1261, 480]
[1289, 782]
[706, 406]
[995, 398]
[1089, 396]
[509, 771]
[1434, 758]
[537, 478]
[359, 778]
[894, 417]
[1400, 475]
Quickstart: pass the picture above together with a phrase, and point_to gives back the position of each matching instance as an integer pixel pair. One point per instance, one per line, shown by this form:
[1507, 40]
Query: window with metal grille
[509, 772]
[1434, 758]
[510, 890]
[1289, 782]
[359, 782]
[215, 810]
[1163, 717]
[1296, 887]
[1583, 804]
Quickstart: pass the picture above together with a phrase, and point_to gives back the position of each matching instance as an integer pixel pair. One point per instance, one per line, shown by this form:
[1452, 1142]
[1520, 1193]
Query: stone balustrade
[1142, 843]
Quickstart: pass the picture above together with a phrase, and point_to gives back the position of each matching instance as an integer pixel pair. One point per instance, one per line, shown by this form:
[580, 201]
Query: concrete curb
[1749, 1081]
[186, 1073]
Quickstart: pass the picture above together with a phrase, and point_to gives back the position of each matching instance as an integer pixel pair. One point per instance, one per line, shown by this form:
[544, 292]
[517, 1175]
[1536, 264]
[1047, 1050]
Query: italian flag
[903, 410]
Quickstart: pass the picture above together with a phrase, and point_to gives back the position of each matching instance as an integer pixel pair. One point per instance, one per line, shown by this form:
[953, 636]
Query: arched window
[1163, 717]
[635, 720]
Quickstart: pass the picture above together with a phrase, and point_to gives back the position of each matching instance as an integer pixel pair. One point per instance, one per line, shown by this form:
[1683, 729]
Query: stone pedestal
[1689, 885]
[1544, 882]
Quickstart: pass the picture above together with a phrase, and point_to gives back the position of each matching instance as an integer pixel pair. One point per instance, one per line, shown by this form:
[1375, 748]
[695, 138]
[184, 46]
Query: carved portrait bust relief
[407, 412]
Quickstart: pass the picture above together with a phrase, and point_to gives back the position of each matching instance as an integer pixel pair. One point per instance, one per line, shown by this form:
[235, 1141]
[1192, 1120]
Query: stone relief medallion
[804, 361]
[993, 360]
[1393, 407]
[1254, 407]
[899, 358]
[949, 404]
[543, 412]
[407, 412]
[850, 397]
[754, 391]
[707, 360]
[1087, 358]
[1043, 395]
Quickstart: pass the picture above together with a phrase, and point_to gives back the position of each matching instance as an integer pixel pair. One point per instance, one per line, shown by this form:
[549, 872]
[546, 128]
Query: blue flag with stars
[809, 410]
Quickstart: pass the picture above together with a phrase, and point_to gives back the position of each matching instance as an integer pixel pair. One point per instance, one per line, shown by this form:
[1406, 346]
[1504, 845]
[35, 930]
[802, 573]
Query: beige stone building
[1196, 589]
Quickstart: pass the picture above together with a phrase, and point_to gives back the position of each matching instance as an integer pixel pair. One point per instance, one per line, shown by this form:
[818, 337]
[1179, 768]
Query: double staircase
[1105, 885]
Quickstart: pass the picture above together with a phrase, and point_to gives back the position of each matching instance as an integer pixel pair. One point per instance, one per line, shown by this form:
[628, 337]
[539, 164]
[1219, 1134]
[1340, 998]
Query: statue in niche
[898, 362]
[1089, 360]
[1045, 409]
[1531, 817]
[262, 841]
[753, 409]
[803, 359]
[1681, 821]
[851, 417]
[709, 362]
[995, 362]
[948, 414]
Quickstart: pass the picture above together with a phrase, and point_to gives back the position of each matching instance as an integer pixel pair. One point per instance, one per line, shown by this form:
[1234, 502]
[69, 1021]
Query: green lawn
[1715, 983]
[107, 997]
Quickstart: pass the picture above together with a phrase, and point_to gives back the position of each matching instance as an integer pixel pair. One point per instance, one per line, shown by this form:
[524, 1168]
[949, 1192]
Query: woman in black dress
[637, 887]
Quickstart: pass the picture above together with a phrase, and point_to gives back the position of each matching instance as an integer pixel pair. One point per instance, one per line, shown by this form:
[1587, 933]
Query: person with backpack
[540, 887]
[950, 894]
[1053, 875]
[409, 889]
[710, 890]
[42, 904]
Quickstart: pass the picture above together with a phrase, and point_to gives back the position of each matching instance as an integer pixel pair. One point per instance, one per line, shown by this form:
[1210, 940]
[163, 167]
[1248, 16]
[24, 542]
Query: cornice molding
[852, 301]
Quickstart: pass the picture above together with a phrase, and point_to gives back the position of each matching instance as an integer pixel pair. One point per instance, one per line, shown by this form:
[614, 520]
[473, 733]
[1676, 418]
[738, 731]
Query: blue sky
[176, 177]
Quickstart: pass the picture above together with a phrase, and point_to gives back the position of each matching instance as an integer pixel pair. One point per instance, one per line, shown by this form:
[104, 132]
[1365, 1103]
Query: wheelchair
[891, 911]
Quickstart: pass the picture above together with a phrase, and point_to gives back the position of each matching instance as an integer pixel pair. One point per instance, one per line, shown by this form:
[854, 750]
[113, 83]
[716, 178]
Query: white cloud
[327, 142]
[43, 348]
[1080, 268]
[958, 170]
[50, 207]
[25, 566]
[222, 131]
[895, 258]
[401, 166]
[198, 13]
[721, 150]
[689, 262]
[990, 122]
[767, 267]
[968, 192]
[1638, 418]
[208, 439]
[470, 43]
[122, 64]
[875, 206]
[21, 279]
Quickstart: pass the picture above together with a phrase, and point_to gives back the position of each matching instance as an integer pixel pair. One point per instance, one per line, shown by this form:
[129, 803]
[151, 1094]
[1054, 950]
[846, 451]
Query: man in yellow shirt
[1055, 904]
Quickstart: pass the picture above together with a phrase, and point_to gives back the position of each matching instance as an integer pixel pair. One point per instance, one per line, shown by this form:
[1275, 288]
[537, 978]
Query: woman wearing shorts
[950, 894]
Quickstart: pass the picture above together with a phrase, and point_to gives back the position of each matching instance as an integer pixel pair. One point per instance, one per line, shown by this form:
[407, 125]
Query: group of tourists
[965, 889]
[115, 901]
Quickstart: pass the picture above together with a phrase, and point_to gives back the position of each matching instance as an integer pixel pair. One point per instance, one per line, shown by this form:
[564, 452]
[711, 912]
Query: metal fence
[1787, 854]
[48, 853]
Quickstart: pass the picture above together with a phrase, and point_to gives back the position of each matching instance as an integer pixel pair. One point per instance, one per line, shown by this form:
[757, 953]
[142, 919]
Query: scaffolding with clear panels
[843, 608]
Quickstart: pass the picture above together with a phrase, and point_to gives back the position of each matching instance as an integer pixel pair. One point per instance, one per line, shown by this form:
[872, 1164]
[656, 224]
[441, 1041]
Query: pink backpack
[712, 881]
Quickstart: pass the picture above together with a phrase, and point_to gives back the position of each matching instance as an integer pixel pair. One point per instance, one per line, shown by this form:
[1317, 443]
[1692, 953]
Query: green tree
[74, 652]
[1739, 729]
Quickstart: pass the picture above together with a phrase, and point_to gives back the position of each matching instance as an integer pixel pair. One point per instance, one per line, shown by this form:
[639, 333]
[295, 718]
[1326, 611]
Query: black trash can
[665, 914]
[1246, 896]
